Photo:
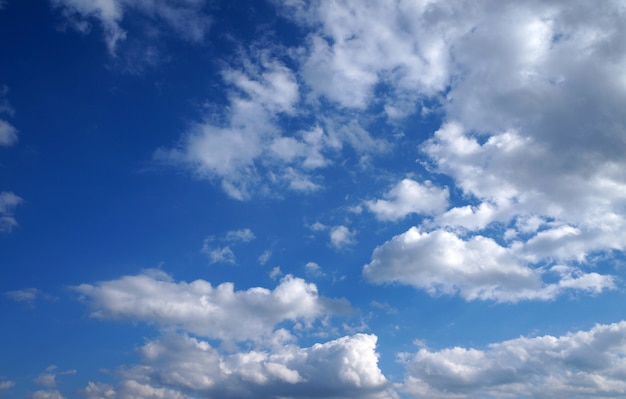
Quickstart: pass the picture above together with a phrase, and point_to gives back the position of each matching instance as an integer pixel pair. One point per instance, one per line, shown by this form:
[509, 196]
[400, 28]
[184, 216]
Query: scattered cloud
[218, 253]
[48, 380]
[6, 384]
[576, 365]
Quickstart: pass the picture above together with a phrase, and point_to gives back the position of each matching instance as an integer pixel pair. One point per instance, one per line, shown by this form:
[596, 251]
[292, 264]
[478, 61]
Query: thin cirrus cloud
[184, 18]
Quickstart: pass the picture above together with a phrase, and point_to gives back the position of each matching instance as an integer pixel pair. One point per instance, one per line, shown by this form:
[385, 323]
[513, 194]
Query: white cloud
[185, 18]
[8, 202]
[219, 254]
[244, 235]
[342, 368]
[531, 95]
[407, 197]
[584, 364]
[276, 272]
[224, 253]
[238, 152]
[51, 394]
[48, 380]
[98, 391]
[440, 262]
[313, 269]
[341, 237]
[213, 312]
[360, 44]
[8, 133]
[28, 295]
[7, 384]
[265, 257]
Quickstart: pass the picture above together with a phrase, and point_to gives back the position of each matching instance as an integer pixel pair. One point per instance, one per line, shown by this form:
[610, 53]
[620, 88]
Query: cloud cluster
[263, 362]
[533, 136]
[342, 368]
[584, 364]
[208, 311]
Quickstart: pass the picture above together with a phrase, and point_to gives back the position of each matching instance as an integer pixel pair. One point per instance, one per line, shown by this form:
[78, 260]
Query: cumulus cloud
[213, 312]
[440, 262]
[407, 197]
[8, 202]
[343, 368]
[584, 364]
[183, 17]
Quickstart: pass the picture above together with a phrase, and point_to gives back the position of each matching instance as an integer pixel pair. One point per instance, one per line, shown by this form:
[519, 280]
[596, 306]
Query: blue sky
[325, 199]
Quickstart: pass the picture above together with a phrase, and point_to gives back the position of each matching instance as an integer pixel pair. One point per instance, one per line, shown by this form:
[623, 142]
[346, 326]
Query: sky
[330, 199]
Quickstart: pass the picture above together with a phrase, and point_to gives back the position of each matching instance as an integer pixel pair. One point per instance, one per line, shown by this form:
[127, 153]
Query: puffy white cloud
[584, 364]
[407, 197]
[441, 262]
[184, 17]
[7, 384]
[248, 152]
[8, 202]
[343, 368]
[341, 237]
[361, 44]
[213, 312]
